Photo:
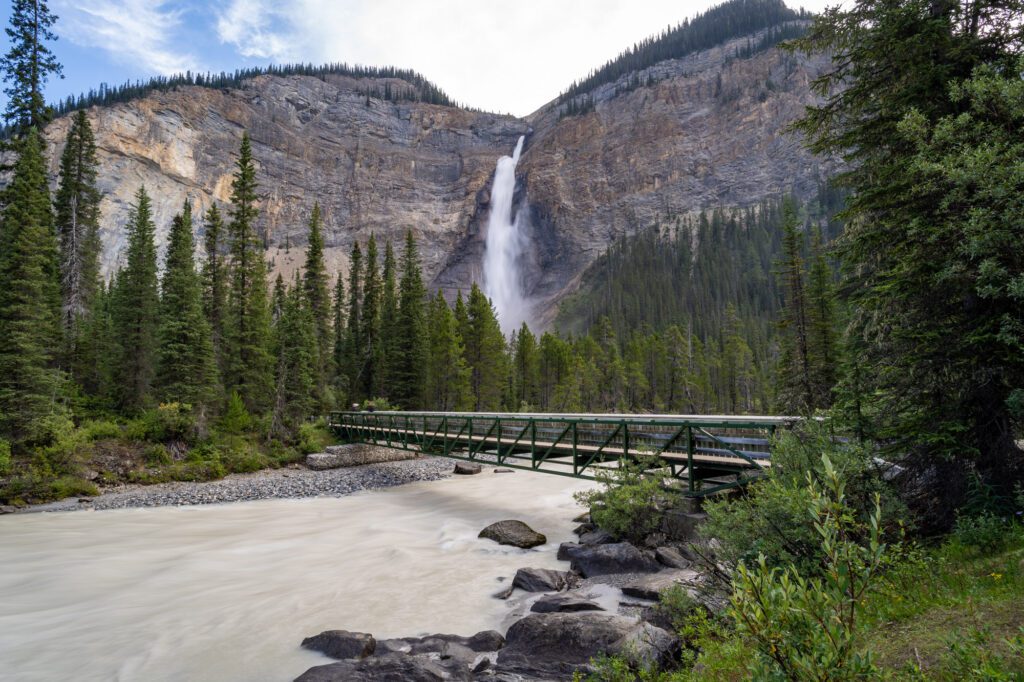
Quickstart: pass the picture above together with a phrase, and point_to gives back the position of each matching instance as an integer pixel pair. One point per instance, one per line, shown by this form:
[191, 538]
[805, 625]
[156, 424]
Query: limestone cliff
[709, 130]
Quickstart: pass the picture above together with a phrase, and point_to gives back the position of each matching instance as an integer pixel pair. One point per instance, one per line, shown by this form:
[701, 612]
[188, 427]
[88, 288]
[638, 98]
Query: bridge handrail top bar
[641, 418]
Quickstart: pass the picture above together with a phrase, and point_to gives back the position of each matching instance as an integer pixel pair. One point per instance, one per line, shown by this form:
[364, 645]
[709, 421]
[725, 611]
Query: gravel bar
[261, 485]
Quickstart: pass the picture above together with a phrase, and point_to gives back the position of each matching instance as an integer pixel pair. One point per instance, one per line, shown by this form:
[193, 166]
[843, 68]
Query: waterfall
[506, 243]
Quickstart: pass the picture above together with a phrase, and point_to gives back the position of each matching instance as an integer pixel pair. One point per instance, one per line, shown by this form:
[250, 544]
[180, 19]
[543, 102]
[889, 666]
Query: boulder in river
[467, 468]
[342, 644]
[564, 603]
[554, 645]
[671, 557]
[596, 537]
[616, 557]
[651, 586]
[515, 533]
[542, 580]
[566, 549]
[387, 667]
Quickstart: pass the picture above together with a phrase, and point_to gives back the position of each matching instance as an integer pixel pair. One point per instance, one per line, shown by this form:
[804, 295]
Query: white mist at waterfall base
[505, 246]
[227, 592]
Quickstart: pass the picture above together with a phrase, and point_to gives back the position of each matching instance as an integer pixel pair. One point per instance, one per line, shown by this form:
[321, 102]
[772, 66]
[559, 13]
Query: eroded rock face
[709, 132]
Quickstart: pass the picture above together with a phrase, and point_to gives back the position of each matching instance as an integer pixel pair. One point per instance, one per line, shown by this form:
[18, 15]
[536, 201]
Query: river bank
[293, 482]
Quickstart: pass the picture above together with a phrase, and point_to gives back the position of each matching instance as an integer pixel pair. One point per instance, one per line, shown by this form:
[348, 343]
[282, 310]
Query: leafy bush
[630, 504]
[5, 458]
[68, 486]
[676, 606]
[805, 628]
[975, 657]
[99, 429]
[313, 436]
[171, 421]
[986, 532]
[157, 455]
[771, 519]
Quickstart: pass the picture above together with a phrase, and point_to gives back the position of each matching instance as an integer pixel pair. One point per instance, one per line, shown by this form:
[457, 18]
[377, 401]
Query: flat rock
[342, 644]
[671, 557]
[596, 537]
[566, 549]
[554, 645]
[681, 525]
[514, 533]
[564, 603]
[390, 667]
[617, 557]
[504, 471]
[542, 580]
[467, 468]
[338, 456]
[651, 586]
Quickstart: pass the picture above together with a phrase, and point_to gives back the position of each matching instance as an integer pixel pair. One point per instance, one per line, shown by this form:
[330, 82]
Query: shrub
[100, 429]
[171, 421]
[157, 455]
[68, 486]
[975, 657]
[986, 533]
[5, 458]
[631, 502]
[805, 628]
[313, 436]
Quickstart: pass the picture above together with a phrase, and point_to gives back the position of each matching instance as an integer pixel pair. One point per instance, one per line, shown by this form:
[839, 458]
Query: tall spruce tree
[369, 325]
[30, 382]
[28, 64]
[485, 353]
[248, 361]
[318, 297]
[186, 369]
[390, 350]
[295, 376]
[215, 281]
[77, 206]
[526, 370]
[339, 343]
[136, 311]
[354, 342]
[821, 321]
[446, 376]
[796, 375]
[410, 366]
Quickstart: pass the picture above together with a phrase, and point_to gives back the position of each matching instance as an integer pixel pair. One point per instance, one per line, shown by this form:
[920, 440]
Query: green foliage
[295, 337]
[805, 628]
[30, 381]
[5, 458]
[167, 422]
[157, 454]
[986, 532]
[410, 367]
[318, 300]
[485, 353]
[630, 504]
[214, 279]
[28, 64]
[447, 376]
[974, 657]
[313, 437]
[99, 429]
[236, 418]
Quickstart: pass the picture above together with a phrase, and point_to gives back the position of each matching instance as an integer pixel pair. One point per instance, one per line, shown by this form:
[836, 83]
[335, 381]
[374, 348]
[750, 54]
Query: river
[227, 592]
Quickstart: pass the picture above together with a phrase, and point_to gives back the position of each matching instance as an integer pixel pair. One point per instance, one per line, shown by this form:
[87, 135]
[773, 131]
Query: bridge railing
[698, 448]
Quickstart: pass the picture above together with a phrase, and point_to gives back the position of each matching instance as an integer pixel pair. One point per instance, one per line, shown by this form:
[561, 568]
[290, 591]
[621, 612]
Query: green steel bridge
[706, 454]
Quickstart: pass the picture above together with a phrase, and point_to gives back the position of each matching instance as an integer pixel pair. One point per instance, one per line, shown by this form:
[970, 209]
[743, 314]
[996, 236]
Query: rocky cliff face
[709, 131]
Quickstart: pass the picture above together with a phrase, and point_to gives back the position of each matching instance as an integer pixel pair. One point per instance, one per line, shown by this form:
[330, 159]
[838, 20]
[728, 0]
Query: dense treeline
[419, 88]
[713, 27]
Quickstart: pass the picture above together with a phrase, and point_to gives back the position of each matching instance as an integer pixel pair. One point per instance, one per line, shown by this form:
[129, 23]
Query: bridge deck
[701, 450]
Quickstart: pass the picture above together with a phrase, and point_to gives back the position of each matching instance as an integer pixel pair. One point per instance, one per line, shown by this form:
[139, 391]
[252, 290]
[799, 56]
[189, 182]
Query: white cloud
[139, 32]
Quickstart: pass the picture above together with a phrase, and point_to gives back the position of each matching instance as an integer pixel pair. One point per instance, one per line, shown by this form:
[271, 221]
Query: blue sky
[499, 55]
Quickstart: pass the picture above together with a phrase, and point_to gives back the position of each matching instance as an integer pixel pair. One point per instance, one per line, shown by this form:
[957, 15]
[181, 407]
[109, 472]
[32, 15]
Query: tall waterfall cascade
[506, 244]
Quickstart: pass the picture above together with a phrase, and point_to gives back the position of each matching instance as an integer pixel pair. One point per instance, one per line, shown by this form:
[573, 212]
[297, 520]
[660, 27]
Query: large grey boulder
[671, 557]
[566, 549]
[341, 644]
[514, 533]
[338, 456]
[681, 525]
[564, 603]
[387, 668]
[555, 645]
[617, 557]
[467, 468]
[596, 537]
[651, 586]
[542, 580]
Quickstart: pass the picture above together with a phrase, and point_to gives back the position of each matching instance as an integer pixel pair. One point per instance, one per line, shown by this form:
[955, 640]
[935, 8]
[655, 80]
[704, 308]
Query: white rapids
[228, 592]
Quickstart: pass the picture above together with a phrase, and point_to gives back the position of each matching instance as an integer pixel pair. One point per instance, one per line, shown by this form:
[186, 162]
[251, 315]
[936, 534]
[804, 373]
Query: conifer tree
[526, 370]
[389, 341]
[77, 206]
[446, 377]
[277, 302]
[317, 292]
[28, 64]
[485, 353]
[248, 361]
[339, 343]
[30, 382]
[410, 367]
[369, 325]
[215, 280]
[821, 322]
[354, 362]
[186, 369]
[295, 380]
[97, 350]
[796, 373]
[136, 311]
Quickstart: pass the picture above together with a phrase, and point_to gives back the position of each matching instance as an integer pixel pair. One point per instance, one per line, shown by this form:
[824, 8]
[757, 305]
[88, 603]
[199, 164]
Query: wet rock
[467, 468]
[682, 526]
[566, 549]
[554, 645]
[389, 667]
[584, 528]
[342, 644]
[596, 537]
[671, 557]
[564, 603]
[651, 586]
[582, 518]
[542, 580]
[504, 471]
[514, 533]
[655, 540]
[505, 592]
[618, 557]
[338, 456]
[7, 509]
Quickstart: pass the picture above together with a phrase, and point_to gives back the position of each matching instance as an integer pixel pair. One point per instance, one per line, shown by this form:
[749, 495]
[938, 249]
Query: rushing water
[503, 279]
[227, 592]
